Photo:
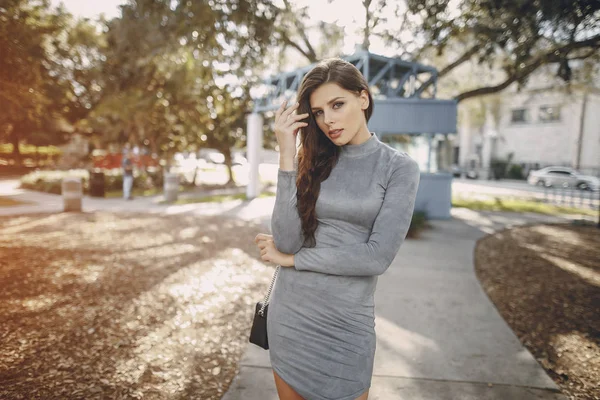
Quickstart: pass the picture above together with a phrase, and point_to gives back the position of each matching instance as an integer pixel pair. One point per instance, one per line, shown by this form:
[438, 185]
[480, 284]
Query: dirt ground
[114, 306]
[545, 282]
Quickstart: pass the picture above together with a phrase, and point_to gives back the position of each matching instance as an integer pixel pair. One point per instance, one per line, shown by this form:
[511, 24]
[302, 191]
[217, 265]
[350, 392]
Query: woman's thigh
[363, 396]
[284, 390]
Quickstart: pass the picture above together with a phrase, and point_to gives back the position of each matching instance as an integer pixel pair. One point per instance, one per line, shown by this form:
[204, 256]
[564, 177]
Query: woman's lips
[335, 133]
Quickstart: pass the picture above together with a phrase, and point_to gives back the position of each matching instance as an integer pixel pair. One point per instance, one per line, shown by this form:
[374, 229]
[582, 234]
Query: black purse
[258, 333]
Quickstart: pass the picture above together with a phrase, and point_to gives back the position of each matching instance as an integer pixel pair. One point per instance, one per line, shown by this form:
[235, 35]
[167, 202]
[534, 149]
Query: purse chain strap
[266, 300]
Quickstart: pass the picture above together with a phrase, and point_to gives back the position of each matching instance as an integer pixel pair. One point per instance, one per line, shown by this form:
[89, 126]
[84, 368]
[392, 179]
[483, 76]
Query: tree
[519, 36]
[46, 83]
[167, 59]
[23, 73]
[76, 58]
[291, 31]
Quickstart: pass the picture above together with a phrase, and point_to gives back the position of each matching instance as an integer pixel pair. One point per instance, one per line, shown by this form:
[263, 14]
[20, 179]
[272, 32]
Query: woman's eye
[318, 113]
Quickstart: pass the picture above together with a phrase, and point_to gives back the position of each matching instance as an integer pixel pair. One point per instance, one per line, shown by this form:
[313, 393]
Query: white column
[464, 140]
[254, 152]
[490, 133]
[429, 150]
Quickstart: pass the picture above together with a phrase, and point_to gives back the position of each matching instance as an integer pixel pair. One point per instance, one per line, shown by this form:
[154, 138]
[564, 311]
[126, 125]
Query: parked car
[563, 177]
[458, 171]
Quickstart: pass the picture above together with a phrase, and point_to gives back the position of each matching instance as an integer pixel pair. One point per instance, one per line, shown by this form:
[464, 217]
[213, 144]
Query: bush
[113, 181]
[515, 172]
[417, 224]
[54, 187]
[155, 177]
[498, 168]
[51, 181]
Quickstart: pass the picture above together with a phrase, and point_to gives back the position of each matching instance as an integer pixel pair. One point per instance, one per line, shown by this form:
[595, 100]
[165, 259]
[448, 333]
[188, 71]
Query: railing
[570, 197]
[559, 196]
[518, 171]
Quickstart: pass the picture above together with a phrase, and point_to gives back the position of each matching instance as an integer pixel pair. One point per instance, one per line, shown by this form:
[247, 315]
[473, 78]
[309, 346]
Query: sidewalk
[39, 202]
[438, 335]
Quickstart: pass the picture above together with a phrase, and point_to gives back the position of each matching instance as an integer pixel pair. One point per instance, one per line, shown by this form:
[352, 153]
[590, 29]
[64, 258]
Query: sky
[350, 16]
[327, 12]
[91, 8]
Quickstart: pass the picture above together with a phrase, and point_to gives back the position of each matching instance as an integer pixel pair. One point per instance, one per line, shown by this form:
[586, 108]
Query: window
[519, 116]
[549, 113]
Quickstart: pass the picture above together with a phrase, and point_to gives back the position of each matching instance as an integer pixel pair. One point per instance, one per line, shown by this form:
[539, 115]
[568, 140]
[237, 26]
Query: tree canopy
[518, 36]
[176, 75]
[172, 75]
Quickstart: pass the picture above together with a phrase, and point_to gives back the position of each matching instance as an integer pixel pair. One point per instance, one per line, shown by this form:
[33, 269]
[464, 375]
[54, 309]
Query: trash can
[97, 188]
[72, 192]
[171, 187]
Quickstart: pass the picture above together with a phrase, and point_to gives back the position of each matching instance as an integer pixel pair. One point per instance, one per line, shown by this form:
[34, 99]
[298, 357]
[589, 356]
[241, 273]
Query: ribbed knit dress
[321, 320]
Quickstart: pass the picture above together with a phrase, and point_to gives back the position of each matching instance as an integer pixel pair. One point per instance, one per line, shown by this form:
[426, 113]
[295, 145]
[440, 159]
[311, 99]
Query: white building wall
[536, 141]
[546, 143]
[590, 150]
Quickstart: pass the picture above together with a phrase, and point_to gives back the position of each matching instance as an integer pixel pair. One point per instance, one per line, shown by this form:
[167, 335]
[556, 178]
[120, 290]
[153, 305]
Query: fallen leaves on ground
[545, 282]
[115, 306]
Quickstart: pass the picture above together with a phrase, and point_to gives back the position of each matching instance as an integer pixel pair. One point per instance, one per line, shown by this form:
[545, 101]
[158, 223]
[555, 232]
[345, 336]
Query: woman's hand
[268, 251]
[286, 128]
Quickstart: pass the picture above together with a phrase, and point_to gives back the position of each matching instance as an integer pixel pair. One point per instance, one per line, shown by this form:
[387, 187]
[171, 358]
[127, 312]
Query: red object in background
[112, 161]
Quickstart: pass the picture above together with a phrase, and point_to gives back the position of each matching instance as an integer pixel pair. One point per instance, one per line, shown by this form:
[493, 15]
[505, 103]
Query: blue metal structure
[404, 103]
[398, 88]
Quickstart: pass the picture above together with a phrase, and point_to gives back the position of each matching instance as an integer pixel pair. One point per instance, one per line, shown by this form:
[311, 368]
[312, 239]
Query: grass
[9, 202]
[220, 198]
[520, 206]
[417, 224]
[27, 149]
[112, 194]
[173, 293]
[544, 280]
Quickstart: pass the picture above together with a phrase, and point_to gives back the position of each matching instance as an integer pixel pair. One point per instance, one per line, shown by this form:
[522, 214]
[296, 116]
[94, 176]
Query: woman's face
[339, 113]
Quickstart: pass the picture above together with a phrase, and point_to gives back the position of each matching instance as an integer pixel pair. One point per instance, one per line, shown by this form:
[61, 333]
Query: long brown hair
[317, 155]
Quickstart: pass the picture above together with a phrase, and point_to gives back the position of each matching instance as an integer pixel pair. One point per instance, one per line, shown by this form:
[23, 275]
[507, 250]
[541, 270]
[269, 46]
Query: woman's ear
[364, 100]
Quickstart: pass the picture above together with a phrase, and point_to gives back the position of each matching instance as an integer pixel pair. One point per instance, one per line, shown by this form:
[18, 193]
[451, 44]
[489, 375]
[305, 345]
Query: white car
[563, 177]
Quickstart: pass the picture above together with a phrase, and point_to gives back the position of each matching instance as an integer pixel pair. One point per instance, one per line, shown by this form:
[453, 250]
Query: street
[461, 188]
[512, 189]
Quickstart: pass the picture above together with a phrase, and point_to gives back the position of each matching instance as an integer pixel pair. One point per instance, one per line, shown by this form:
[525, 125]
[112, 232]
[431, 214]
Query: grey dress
[321, 321]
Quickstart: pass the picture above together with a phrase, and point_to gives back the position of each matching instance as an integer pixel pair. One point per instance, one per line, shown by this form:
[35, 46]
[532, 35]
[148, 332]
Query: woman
[338, 222]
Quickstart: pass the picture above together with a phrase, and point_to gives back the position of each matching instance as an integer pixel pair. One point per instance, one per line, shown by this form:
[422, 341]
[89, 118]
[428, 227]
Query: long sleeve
[387, 235]
[286, 225]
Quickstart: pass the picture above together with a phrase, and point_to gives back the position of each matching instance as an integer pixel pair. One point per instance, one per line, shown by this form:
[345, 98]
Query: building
[539, 126]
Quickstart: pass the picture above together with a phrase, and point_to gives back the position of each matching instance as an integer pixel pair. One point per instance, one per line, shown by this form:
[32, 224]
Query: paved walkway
[438, 335]
[38, 202]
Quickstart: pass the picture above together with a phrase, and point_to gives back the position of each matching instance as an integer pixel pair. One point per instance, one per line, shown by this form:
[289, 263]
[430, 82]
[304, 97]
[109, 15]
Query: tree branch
[290, 42]
[390, 38]
[312, 56]
[367, 30]
[465, 57]
[546, 58]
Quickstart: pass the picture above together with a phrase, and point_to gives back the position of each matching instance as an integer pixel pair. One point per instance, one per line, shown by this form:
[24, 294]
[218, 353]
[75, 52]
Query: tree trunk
[193, 182]
[228, 162]
[367, 32]
[14, 139]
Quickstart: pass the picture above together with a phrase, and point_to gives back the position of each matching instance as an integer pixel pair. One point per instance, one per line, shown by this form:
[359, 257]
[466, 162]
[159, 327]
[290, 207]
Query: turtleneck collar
[366, 147]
